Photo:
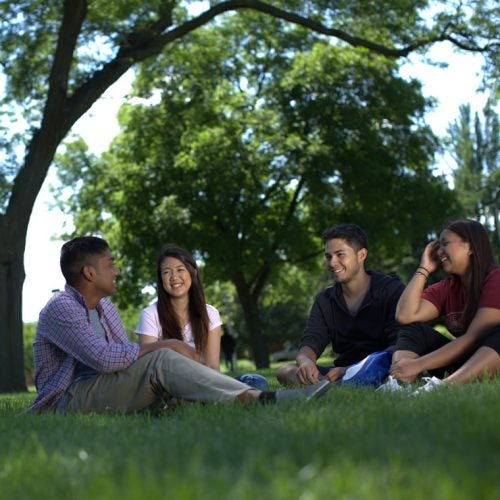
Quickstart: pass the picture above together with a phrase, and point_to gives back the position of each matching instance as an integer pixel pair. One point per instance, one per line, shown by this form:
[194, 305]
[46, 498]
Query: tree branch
[46, 139]
[260, 280]
[145, 47]
[51, 132]
[354, 41]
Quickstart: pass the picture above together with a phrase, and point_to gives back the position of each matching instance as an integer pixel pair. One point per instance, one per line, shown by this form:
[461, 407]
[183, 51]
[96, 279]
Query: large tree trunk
[11, 325]
[55, 125]
[253, 323]
[14, 227]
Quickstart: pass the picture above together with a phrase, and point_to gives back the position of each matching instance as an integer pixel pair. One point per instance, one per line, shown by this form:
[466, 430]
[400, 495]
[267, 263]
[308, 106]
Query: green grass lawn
[351, 444]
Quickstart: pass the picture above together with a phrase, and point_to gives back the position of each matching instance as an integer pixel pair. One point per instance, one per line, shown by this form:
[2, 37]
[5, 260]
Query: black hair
[481, 261]
[352, 233]
[79, 252]
[198, 316]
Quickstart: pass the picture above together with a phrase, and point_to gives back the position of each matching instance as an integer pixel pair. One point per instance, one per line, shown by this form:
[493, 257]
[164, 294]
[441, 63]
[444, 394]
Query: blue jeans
[254, 380]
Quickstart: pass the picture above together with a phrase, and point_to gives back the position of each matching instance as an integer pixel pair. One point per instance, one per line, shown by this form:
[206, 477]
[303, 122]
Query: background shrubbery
[29, 330]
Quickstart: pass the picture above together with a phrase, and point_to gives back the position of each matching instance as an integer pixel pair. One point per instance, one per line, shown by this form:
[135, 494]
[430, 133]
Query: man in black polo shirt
[356, 315]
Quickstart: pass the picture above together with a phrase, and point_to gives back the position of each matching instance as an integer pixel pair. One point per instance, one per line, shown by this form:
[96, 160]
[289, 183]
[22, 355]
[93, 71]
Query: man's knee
[287, 374]
[162, 355]
[403, 354]
[157, 360]
[413, 338]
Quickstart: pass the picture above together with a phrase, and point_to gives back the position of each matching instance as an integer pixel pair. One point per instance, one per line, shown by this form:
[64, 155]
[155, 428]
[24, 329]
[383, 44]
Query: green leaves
[474, 143]
[248, 152]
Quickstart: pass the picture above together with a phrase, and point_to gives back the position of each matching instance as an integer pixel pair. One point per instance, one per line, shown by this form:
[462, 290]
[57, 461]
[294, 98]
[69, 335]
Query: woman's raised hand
[430, 260]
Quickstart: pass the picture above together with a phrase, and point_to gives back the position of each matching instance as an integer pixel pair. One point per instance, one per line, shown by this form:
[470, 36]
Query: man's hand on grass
[308, 372]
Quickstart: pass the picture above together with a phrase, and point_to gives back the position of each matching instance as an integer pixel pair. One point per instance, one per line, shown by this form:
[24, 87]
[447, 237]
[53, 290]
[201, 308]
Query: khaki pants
[158, 375]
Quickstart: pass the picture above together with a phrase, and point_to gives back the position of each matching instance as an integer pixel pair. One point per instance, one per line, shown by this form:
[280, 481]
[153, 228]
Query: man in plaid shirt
[85, 362]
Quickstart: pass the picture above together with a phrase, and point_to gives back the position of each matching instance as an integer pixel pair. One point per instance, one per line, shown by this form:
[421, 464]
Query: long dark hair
[198, 317]
[481, 261]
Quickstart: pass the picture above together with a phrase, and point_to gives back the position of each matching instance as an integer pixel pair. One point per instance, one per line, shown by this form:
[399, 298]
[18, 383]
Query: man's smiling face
[343, 261]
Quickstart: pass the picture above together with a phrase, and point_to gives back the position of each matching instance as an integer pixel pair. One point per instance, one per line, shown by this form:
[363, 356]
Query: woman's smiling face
[454, 253]
[176, 277]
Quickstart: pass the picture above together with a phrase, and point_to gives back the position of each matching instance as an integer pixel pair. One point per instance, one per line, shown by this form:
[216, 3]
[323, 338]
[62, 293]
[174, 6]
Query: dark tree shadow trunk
[253, 323]
[11, 327]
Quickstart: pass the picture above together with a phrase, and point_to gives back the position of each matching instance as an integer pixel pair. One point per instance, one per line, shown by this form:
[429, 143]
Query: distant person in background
[181, 312]
[469, 300]
[228, 345]
[355, 315]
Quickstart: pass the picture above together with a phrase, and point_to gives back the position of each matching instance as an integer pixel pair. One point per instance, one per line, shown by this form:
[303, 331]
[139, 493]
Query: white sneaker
[391, 385]
[431, 384]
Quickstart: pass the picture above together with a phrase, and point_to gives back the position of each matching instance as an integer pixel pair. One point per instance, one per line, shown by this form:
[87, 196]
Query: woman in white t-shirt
[181, 311]
[182, 314]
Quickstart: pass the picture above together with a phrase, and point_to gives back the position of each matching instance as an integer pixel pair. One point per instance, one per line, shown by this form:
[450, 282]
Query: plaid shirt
[65, 337]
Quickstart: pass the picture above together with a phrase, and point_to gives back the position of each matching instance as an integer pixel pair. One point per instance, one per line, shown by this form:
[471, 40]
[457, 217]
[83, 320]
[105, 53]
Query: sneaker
[308, 392]
[431, 384]
[391, 385]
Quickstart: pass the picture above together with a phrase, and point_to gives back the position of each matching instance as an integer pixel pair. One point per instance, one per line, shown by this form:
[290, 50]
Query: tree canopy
[475, 147]
[252, 151]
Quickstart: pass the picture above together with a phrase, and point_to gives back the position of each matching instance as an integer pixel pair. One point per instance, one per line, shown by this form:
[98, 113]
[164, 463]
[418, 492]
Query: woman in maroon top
[469, 300]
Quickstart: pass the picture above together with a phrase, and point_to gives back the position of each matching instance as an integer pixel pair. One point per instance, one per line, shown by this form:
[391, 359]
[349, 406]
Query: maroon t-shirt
[449, 297]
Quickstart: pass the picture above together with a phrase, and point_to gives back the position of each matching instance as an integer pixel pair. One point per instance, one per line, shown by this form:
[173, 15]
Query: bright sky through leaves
[451, 87]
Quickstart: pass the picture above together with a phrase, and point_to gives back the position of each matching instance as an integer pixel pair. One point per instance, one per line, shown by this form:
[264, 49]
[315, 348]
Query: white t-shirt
[149, 323]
